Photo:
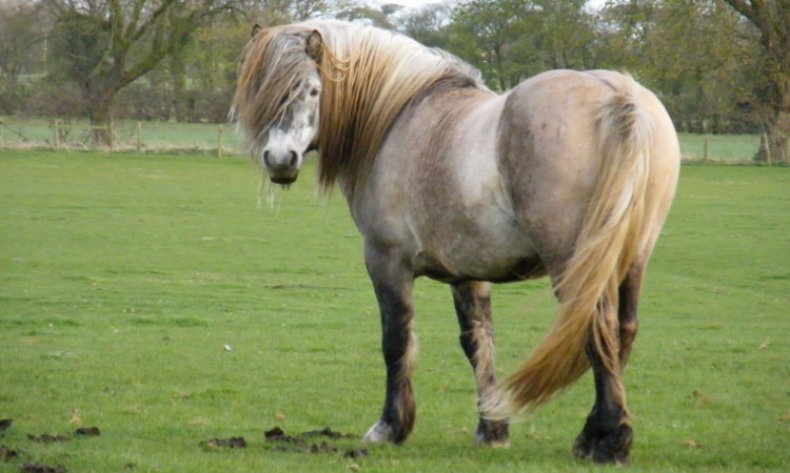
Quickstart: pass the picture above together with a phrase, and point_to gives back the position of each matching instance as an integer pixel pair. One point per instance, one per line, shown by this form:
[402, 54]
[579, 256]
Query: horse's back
[447, 210]
[549, 150]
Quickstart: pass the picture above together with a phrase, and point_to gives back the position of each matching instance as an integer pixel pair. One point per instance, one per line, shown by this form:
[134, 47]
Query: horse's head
[295, 131]
[278, 99]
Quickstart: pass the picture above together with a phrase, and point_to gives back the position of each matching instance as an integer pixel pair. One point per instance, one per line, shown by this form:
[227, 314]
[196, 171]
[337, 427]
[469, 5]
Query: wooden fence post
[111, 134]
[767, 148]
[705, 154]
[219, 142]
[139, 142]
[2, 125]
[56, 134]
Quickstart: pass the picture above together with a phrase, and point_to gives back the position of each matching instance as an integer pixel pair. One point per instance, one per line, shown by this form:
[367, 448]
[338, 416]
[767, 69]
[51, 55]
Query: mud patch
[5, 424]
[215, 444]
[36, 468]
[326, 432]
[308, 442]
[47, 438]
[278, 435]
[324, 441]
[323, 448]
[356, 453]
[8, 454]
[87, 432]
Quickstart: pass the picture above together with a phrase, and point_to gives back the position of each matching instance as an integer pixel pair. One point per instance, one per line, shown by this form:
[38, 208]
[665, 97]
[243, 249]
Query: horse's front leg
[472, 302]
[393, 282]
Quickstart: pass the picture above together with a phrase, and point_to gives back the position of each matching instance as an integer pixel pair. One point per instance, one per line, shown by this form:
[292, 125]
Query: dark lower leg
[399, 406]
[472, 302]
[398, 414]
[627, 315]
[393, 286]
[607, 434]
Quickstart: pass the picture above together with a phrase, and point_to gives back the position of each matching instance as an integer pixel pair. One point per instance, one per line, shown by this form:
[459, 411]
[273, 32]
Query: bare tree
[105, 45]
[22, 46]
[772, 19]
[21, 32]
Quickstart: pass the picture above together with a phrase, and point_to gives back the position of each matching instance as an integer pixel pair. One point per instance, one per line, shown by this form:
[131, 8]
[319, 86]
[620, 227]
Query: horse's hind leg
[607, 434]
[629, 322]
[473, 306]
[393, 284]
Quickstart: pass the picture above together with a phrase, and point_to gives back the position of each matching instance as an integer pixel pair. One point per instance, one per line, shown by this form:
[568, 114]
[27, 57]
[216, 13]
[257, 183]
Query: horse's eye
[313, 92]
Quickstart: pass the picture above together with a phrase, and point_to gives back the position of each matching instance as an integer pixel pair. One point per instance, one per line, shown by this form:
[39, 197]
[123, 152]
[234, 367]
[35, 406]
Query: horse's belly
[498, 251]
[517, 269]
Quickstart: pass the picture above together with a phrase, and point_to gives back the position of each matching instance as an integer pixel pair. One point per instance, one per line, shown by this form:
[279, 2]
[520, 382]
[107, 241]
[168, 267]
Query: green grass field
[156, 298]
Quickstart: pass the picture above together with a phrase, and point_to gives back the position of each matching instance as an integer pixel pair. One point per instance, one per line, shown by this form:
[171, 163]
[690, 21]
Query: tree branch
[743, 8]
[146, 26]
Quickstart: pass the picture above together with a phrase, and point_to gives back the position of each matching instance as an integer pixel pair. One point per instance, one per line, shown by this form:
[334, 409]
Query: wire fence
[138, 136]
[221, 139]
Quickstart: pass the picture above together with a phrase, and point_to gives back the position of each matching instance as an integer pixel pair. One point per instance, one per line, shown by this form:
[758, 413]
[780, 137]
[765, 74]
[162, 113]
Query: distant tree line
[720, 66]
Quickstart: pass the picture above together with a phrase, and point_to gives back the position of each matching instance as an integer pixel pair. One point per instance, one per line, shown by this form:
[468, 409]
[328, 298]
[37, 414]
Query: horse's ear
[255, 28]
[315, 45]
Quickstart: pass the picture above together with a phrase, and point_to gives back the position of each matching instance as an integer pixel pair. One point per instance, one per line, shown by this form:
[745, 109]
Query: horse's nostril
[266, 159]
[294, 159]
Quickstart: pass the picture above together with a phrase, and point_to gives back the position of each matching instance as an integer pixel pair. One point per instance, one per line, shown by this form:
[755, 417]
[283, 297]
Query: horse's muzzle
[283, 180]
[282, 169]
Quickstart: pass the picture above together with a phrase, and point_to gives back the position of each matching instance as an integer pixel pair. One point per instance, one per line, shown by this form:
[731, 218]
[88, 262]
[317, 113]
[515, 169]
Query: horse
[568, 175]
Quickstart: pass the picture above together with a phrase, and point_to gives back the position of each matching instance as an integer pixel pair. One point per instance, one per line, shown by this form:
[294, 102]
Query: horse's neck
[430, 127]
[447, 131]
[448, 116]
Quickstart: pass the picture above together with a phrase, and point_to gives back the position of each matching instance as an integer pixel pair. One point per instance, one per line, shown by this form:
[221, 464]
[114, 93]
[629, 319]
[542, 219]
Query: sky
[415, 3]
[409, 3]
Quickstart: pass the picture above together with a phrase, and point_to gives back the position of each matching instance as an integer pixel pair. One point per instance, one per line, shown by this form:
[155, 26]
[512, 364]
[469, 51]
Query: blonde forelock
[368, 77]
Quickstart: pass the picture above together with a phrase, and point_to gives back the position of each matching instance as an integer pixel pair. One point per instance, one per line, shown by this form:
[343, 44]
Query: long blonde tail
[609, 240]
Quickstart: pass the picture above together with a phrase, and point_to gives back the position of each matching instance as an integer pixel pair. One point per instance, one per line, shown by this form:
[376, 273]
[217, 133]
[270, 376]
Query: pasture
[164, 301]
[156, 136]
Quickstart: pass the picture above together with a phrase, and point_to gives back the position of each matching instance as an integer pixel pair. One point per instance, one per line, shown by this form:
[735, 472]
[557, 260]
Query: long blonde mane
[369, 76]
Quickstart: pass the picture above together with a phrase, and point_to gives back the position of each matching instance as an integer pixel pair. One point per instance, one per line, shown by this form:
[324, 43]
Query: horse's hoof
[492, 434]
[482, 442]
[610, 447]
[379, 433]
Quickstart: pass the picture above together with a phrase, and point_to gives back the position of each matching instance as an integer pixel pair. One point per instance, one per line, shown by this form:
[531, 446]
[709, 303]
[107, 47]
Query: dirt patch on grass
[80, 432]
[36, 468]
[233, 442]
[357, 453]
[12, 454]
[5, 424]
[48, 438]
[87, 432]
[278, 435]
[8, 454]
[310, 442]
